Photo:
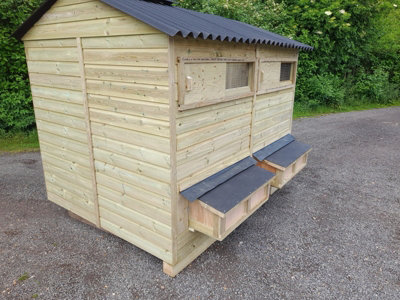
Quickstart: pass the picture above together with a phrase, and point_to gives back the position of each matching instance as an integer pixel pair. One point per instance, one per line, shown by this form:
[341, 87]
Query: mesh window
[286, 70]
[237, 75]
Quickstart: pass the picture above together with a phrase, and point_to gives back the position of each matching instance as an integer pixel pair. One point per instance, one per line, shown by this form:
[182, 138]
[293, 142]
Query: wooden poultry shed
[161, 125]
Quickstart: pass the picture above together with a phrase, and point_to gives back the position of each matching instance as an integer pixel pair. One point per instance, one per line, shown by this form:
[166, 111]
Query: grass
[19, 142]
[301, 112]
[23, 277]
[22, 142]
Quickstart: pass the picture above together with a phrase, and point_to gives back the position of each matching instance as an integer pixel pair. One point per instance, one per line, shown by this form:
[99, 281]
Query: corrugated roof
[184, 22]
[179, 21]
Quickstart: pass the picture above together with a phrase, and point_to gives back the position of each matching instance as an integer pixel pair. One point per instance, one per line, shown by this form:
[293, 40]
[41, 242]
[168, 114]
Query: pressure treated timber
[285, 162]
[89, 28]
[119, 144]
[219, 224]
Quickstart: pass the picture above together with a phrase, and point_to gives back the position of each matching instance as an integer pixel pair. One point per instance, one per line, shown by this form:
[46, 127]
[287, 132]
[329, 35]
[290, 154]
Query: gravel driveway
[332, 233]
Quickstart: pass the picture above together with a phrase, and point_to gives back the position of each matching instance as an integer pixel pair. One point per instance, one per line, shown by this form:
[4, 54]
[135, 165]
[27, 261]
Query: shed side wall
[212, 137]
[125, 63]
[273, 107]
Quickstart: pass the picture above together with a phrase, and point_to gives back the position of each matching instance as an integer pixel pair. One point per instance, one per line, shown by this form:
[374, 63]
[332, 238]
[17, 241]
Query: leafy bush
[351, 38]
[16, 111]
[356, 42]
[326, 89]
[375, 87]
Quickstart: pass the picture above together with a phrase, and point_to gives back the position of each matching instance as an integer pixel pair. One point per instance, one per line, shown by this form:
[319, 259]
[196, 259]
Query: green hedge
[16, 113]
[356, 57]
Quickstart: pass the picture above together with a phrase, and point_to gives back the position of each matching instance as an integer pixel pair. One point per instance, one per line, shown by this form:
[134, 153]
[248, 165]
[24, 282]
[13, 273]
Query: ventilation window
[286, 71]
[237, 75]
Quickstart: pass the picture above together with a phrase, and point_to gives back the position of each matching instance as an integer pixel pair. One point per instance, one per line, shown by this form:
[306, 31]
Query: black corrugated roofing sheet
[187, 23]
[179, 21]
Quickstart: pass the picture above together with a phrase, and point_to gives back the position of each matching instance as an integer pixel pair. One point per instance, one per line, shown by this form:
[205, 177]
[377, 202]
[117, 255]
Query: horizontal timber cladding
[209, 138]
[126, 88]
[57, 95]
[128, 98]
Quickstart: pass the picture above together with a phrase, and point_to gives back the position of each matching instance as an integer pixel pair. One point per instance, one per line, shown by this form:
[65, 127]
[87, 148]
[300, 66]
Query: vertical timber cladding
[127, 90]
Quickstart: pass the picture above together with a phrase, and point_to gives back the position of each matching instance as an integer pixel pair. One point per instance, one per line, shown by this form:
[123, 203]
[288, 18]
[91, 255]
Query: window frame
[184, 82]
[291, 82]
[290, 71]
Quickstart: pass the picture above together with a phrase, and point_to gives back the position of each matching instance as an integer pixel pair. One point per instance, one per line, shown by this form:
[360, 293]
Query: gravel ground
[332, 233]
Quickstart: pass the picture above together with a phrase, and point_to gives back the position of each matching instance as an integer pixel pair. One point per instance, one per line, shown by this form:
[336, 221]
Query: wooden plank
[176, 207]
[126, 176]
[268, 52]
[190, 168]
[136, 229]
[148, 222]
[134, 239]
[256, 78]
[102, 27]
[69, 2]
[79, 12]
[139, 41]
[49, 67]
[77, 171]
[270, 139]
[271, 121]
[215, 107]
[208, 82]
[201, 149]
[137, 166]
[70, 207]
[57, 94]
[52, 54]
[131, 137]
[127, 57]
[151, 93]
[188, 254]
[88, 134]
[272, 111]
[119, 191]
[65, 154]
[144, 208]
[61, 119]
[65, 108]
[210, 132]
[267, 100]
[56, 81]
[145, 125]
[266, 133]
[125, 106]
[200, 48]
[210, 170]
[70, 196]
[66, 179]
[132, 151]
[141, 75]
[64, 143]
[63, 131]
[199, 121]
[62, 43]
